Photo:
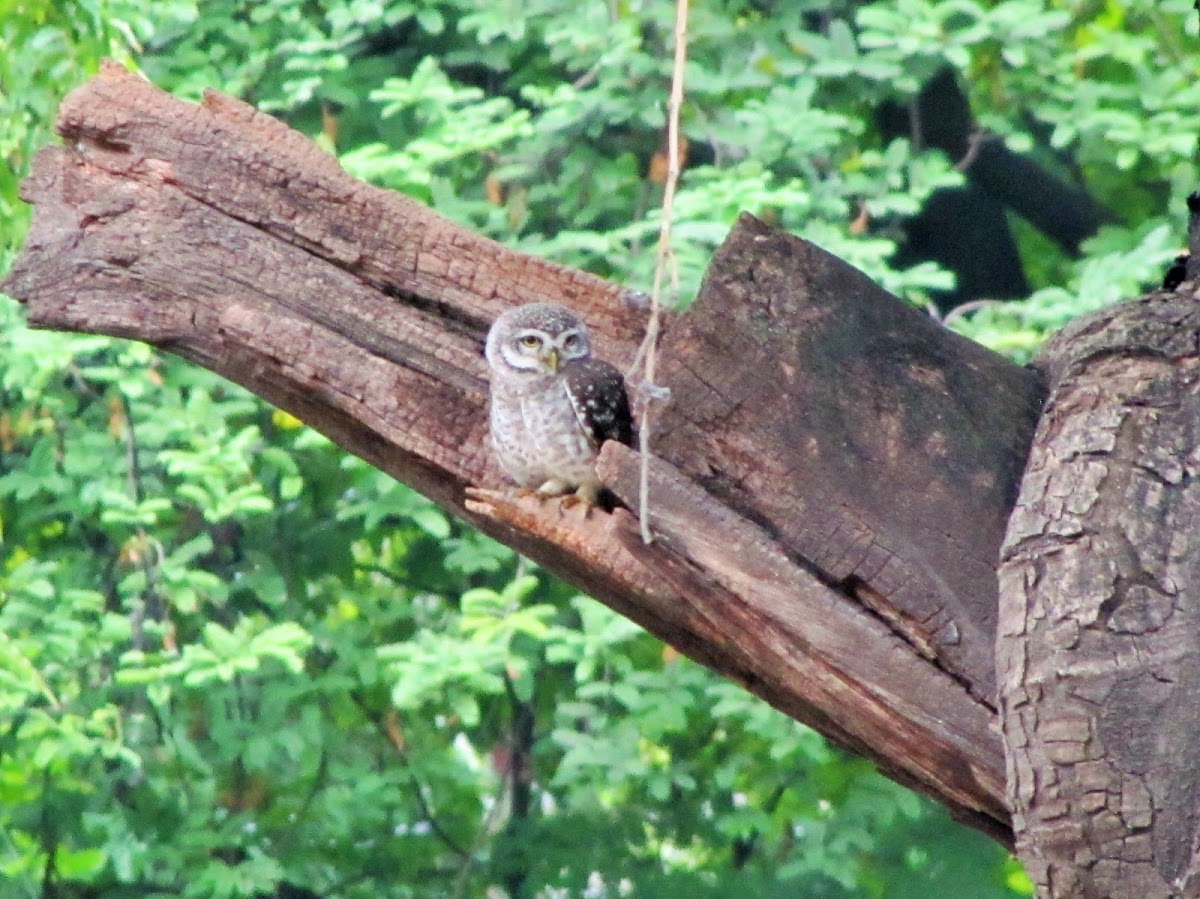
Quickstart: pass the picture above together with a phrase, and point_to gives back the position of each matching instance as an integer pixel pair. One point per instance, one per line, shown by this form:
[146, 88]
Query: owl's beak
[552, 360]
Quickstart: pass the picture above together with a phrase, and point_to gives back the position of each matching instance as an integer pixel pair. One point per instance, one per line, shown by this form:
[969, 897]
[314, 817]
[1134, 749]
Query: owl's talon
[554, 487]
[586, 495]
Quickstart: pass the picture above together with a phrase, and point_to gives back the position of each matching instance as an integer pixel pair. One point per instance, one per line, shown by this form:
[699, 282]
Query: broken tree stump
[831, 479]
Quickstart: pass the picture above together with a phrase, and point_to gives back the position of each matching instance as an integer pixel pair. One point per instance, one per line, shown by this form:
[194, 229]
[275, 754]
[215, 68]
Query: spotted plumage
[552, 404]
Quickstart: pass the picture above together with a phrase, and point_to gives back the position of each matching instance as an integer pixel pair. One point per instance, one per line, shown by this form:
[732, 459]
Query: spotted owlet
[552, 404]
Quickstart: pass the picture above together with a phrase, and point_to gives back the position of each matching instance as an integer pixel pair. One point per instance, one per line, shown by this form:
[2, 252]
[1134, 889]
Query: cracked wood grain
[881, 450]
[808, 648]
[1099, 646]
[859, 459]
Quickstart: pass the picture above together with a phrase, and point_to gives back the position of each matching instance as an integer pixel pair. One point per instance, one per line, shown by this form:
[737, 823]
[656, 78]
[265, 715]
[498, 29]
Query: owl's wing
[597, 393]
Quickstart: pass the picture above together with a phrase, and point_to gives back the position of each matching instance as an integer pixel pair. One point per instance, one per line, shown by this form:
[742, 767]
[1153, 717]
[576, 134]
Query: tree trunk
[830, 482]
[1099, 646]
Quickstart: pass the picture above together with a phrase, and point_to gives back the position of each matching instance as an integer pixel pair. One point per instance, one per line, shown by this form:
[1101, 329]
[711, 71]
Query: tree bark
[830, 481]
[1099, 645]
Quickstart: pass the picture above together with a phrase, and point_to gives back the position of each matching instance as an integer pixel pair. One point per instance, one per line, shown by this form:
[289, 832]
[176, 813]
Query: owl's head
[536, 340]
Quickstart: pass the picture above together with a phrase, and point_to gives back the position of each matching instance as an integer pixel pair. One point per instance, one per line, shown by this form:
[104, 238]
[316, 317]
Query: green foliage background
[234, 662]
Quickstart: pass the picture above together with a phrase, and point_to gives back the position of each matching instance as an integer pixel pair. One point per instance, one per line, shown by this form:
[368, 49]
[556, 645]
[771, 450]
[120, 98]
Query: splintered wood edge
[823, 629]
[723, 594]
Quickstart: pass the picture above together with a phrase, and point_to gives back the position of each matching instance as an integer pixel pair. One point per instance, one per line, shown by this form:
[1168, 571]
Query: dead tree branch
[831, 479]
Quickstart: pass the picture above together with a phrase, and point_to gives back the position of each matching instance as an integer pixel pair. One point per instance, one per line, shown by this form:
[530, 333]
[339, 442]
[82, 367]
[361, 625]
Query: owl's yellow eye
[531, 341]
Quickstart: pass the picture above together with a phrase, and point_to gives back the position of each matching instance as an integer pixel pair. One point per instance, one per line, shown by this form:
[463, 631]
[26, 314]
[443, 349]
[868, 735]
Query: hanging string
[664, 264]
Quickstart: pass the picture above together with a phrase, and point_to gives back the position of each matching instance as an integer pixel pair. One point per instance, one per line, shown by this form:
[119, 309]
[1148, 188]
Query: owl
[552, 404]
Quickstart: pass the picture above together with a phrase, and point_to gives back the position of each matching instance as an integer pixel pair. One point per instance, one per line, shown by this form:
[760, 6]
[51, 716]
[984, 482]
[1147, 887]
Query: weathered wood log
[832, 475]
[1099, 645]
[877, 447]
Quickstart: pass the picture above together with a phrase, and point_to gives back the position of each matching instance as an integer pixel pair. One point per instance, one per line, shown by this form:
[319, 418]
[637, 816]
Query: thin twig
[974, 145]
[966, 309]
[665, 258]
[418, 790]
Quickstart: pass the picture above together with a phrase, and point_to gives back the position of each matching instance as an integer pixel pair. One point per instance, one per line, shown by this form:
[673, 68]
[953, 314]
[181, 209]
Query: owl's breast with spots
[537, 438]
